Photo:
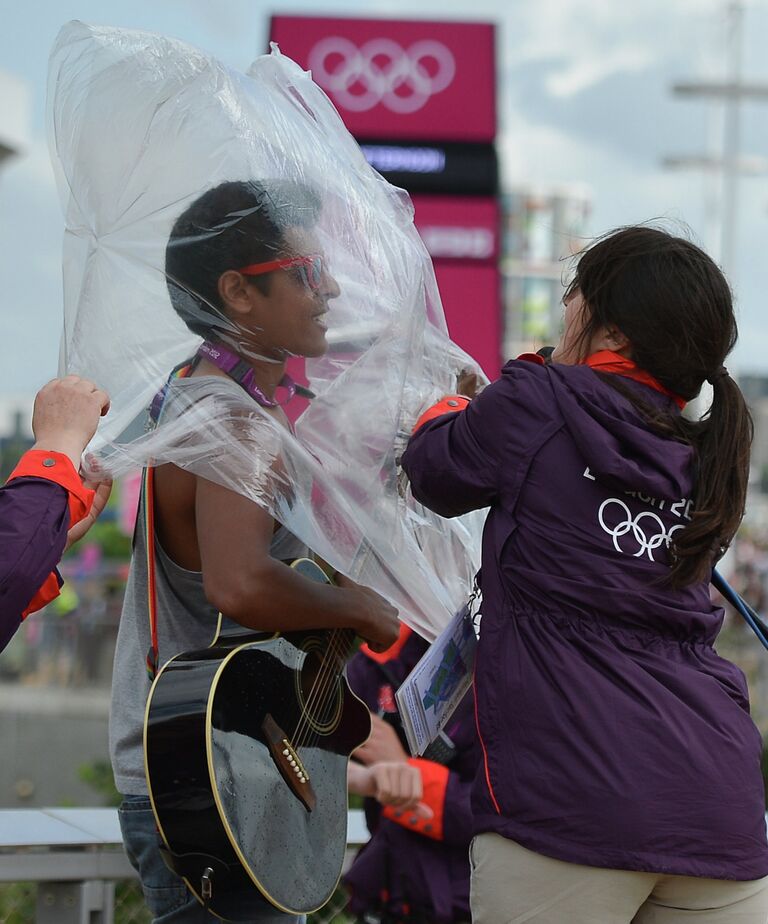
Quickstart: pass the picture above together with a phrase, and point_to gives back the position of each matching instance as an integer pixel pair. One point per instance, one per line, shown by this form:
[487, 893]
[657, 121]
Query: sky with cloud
[584, 99]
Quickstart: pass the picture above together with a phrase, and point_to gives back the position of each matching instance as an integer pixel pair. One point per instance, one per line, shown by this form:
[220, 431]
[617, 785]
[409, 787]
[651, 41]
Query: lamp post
[730, 165]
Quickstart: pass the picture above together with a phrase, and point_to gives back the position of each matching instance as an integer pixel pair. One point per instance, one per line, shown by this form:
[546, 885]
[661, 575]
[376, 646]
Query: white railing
[75, 856]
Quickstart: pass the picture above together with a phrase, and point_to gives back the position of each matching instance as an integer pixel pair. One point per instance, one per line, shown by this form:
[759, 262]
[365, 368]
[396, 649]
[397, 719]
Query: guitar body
[246, 746]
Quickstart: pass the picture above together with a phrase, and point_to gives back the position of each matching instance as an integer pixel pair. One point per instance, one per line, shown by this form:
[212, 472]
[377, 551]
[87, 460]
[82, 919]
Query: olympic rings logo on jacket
[638, 534]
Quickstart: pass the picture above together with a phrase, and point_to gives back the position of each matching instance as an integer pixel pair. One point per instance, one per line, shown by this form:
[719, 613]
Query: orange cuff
[57, 467]
[533, 358]
[434, 778]
[450, 404]
[49, 590]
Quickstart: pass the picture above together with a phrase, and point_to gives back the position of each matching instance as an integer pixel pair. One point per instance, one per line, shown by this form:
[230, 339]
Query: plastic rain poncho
[180, 176]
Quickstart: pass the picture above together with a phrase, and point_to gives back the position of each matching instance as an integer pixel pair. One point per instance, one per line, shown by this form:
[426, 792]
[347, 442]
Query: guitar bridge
[288, 763]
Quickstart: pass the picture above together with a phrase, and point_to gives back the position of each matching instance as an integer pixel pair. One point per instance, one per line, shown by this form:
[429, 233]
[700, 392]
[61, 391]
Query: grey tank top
[185, 621]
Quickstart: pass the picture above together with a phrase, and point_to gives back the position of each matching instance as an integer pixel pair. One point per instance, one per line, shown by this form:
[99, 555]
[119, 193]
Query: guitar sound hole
[319, 690]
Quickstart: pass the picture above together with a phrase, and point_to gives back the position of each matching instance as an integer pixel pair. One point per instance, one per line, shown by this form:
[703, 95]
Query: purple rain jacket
[427, 875]
[42, 498]
[613, 734]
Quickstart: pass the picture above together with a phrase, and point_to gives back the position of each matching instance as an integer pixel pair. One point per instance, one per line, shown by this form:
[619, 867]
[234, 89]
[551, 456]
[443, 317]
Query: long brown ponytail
[675, 307]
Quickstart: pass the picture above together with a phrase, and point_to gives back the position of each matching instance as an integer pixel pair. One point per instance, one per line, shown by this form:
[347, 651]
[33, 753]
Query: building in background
[541, 229]
[420, 98]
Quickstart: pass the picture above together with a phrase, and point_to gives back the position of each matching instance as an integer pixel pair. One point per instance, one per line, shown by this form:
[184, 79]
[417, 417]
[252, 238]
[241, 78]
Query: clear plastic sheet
[204, 203]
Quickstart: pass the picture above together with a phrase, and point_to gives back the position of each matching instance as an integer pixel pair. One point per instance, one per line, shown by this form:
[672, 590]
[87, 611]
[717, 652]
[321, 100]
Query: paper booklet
[428, 696]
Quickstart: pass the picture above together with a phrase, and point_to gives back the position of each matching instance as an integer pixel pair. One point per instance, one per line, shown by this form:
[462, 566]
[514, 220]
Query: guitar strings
[336, 650]
[319, 688]
[336, 647]
[326, 686]
[317, 691]
[325, 683]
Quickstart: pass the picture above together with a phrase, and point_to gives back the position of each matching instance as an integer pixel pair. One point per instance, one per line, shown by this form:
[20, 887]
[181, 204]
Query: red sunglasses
[310, 268]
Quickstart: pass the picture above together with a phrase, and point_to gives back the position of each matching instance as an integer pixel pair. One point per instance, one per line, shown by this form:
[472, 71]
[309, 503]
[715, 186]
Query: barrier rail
[76, 855]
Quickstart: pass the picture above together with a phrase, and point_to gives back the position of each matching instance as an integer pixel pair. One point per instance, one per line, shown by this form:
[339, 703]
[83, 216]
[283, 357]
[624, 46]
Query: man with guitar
[243, 266]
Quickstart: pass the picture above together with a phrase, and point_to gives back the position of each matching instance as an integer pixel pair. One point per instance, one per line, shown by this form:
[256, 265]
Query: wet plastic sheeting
[205, 203]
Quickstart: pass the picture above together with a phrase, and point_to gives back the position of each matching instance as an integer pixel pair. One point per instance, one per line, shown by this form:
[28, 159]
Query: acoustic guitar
[246, 747]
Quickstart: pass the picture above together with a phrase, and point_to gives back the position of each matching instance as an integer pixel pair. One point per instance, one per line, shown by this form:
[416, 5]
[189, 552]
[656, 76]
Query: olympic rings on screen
[380, 72]
[647, 539]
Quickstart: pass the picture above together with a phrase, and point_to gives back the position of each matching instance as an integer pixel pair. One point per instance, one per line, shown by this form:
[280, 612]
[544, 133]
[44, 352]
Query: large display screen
[457, 169]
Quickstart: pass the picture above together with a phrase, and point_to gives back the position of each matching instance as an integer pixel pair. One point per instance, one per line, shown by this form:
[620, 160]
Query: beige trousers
[512, 885]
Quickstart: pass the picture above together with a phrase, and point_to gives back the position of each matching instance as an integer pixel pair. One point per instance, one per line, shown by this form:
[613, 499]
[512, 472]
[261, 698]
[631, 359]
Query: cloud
[580, 43]
[580, 74]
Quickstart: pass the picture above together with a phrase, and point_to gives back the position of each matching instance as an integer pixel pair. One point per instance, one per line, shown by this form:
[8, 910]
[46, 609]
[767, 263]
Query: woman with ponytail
[621, 778]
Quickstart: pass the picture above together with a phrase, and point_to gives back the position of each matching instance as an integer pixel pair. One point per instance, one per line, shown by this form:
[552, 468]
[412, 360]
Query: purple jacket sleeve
[34, 519]
[479, 457]
[453, 461]
[457, 816]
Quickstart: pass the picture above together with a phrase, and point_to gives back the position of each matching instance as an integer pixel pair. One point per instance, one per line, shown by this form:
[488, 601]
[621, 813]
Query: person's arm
[395, 785]
[463, 457]
[34, 519]
[442, 791]
[383, 743]
[246, 584]
[452, 459]
[444, 812]
[45, 500]
[447, 796]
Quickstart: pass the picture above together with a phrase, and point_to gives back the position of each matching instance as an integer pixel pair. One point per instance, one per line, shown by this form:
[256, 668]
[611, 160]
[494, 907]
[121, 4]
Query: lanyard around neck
[239, 370]
[236, 368]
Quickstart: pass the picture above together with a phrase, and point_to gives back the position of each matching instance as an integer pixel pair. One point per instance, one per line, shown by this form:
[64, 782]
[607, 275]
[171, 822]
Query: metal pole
[732, 139]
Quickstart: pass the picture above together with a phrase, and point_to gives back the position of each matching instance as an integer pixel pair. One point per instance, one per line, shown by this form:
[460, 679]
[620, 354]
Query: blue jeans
[166, 895]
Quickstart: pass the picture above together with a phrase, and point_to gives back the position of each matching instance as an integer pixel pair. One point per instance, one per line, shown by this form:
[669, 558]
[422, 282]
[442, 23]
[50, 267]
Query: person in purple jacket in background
[415, 868]
[45, 506]
[620, 779]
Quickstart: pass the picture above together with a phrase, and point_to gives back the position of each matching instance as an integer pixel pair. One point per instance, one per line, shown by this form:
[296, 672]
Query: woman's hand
[390, 783]
[468, 383]
[383, 745]
[66, 415]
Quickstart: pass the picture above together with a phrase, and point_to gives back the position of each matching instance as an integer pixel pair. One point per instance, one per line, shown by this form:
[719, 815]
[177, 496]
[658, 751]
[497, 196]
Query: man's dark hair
[228, 227]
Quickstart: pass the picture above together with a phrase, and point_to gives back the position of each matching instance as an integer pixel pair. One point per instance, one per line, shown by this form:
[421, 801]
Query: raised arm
[45, 499]
[452, 457]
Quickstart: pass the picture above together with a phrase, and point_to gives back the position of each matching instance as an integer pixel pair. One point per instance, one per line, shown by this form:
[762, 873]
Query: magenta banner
[462, 236]
[459, 227]
[398, 79]
[471, 300]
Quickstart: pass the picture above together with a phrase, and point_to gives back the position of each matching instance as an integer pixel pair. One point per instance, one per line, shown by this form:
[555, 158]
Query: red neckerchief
[608, 361]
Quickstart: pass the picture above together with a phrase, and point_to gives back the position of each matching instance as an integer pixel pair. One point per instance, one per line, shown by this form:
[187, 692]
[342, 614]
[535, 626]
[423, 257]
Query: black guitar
[246, 747]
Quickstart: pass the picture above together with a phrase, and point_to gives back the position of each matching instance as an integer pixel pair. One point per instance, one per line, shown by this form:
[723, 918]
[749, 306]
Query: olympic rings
[647, 543]
[380, 82]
